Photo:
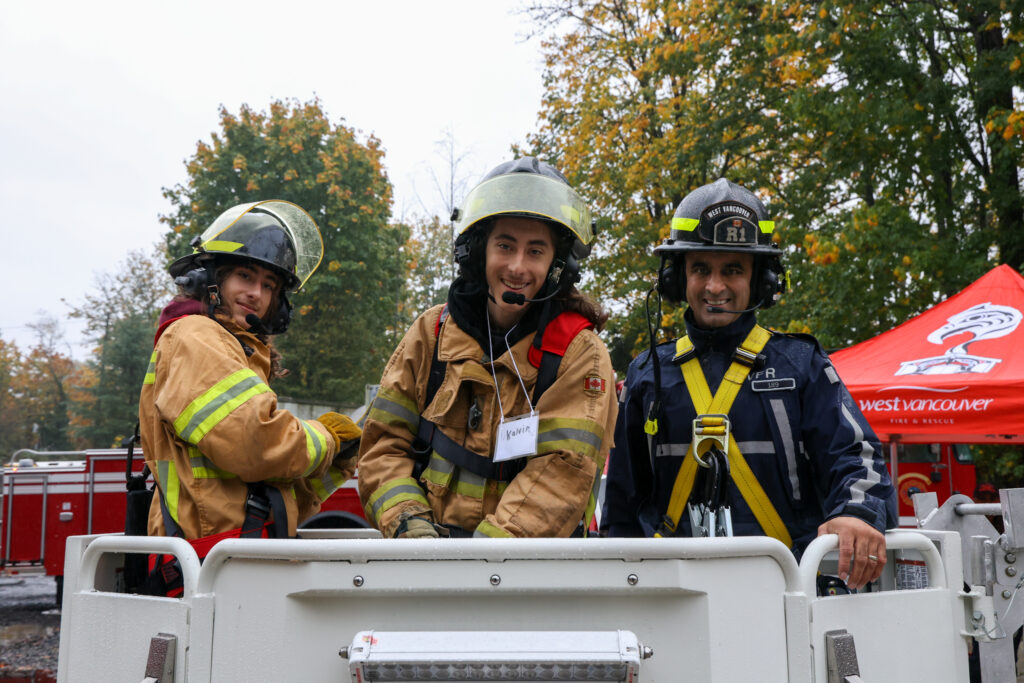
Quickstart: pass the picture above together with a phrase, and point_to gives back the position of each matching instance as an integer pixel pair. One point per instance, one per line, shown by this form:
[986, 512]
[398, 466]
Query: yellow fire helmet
[275, 233]
[532, 189]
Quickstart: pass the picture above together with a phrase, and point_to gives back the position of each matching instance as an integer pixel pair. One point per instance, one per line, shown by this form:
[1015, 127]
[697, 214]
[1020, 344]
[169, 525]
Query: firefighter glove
[416, 527]
[346, 433]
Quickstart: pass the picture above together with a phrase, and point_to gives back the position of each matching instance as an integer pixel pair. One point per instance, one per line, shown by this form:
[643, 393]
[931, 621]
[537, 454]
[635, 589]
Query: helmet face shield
[239, 232]
[530, 195]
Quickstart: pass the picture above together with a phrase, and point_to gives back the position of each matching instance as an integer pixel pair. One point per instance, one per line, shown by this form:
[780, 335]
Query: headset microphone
[256, 324]
[719, 309]
[519, 299]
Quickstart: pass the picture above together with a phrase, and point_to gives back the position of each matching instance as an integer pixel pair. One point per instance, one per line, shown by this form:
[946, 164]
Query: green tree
[15, 431]
[886, 137]
[647, 101]
[120, 316]
[346, 318]
[429, 268]
[43, 386]
[915, 160]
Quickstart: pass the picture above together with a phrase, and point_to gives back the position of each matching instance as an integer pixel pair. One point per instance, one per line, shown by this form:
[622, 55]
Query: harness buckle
[744, 357]
[710, 431]
[257, 505]
[684, 356]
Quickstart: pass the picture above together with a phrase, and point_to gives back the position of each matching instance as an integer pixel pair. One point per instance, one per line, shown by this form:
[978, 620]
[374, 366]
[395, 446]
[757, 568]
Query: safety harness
[711, 430]
[545, 354]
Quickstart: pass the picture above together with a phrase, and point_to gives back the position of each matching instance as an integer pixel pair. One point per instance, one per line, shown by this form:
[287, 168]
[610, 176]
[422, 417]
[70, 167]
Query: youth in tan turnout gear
[210, 423]
[558, 487]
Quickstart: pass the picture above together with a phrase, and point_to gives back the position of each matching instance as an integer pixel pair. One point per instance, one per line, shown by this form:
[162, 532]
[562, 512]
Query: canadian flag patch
[593, 383]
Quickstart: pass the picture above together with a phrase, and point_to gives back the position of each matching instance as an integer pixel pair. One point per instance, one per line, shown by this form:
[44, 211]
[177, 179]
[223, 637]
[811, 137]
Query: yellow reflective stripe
[170, 486]
[209, 408]
[703, 402]
[487, 530]
[204, 468]
[684, 224]
[568, 434]
[391, 494]
[329, 483]
[222, 245]
[469, 484]
[150, 377]
[438, 471]
[316, 447]
[766, 226]
[441, 472]
[394, 408]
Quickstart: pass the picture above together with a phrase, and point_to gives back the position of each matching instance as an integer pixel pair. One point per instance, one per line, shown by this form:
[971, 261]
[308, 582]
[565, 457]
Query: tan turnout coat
[557, 489]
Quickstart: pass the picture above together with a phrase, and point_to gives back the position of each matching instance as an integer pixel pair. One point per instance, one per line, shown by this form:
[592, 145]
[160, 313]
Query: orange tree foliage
[344, 320]
[38, 392]
[15, 430]
[877, 132]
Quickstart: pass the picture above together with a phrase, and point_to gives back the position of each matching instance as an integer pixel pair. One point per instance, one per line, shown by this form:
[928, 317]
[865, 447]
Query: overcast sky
[102, 102]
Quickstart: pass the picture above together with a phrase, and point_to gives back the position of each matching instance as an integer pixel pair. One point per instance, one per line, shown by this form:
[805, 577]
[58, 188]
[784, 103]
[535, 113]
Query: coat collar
[455, 345]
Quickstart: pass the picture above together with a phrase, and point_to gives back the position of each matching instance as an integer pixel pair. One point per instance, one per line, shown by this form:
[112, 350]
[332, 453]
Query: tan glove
[416, 527]
[346, 433]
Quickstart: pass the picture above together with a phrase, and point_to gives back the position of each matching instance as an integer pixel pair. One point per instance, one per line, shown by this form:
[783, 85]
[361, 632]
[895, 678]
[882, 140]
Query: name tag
[783, 384]
[517, 438]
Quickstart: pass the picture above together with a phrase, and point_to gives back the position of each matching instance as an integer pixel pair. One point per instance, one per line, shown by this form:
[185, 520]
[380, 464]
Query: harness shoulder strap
[704, 403]
[553, 341]
[437, 366]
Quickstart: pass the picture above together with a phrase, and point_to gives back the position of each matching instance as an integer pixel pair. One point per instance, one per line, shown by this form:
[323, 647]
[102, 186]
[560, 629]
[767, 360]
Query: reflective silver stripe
[439, 464]
[867, 458]
[398, 410]
[668, 450]
[746, 447]
[204, 468]
[568, 433]
[406, 489]
[782, 420]
[231, 393]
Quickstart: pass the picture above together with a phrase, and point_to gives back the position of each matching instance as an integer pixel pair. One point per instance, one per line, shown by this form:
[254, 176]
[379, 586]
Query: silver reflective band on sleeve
[782, 421]
[867, 458]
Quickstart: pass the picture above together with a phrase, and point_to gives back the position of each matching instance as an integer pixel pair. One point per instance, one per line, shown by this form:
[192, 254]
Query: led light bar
[387, 656]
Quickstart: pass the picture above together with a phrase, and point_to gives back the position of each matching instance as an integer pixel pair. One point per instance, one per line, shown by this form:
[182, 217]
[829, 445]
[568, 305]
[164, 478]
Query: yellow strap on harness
[721, 402]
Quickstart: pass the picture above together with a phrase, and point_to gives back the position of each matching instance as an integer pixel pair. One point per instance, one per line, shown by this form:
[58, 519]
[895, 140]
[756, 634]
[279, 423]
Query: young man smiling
[797, 457]
[495, 412]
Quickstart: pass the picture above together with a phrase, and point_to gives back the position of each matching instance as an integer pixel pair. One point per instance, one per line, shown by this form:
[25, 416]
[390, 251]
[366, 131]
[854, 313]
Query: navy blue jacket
[794, 421]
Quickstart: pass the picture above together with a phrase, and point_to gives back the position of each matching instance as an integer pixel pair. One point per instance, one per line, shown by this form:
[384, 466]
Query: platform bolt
[357, 581]
[632, 579]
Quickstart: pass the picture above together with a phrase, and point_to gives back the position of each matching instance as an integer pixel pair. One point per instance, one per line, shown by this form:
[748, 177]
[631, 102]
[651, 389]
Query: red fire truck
[47, 496]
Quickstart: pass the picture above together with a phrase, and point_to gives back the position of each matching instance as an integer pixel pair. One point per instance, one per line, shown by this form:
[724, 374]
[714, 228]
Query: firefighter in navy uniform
[792, 458]
[227, 461]
[496, 411]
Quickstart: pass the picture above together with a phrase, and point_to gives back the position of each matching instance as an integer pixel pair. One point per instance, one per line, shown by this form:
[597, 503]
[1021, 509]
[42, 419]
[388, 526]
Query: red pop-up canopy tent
[953, 374]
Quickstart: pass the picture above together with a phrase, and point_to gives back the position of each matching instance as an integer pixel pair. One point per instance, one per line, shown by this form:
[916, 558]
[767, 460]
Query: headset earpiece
[279, 323]
[671, 283]
[771, 283]
[194, 283]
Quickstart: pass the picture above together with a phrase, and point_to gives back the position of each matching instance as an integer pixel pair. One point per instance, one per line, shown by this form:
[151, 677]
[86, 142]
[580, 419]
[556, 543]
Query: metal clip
[710, 431]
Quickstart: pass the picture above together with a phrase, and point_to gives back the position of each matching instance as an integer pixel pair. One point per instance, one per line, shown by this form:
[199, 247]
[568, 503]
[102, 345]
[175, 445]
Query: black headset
[768, 276]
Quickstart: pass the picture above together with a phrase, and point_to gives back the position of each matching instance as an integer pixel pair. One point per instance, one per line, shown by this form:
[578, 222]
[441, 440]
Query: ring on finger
[873, 558]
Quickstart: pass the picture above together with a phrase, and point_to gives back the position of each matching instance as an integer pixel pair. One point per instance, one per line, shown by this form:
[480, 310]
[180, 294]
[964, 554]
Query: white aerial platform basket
[652, 610]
